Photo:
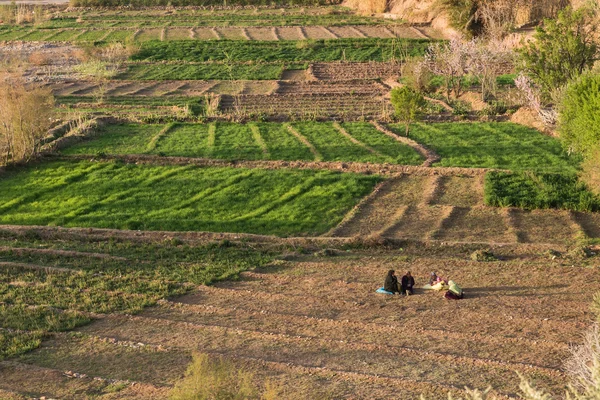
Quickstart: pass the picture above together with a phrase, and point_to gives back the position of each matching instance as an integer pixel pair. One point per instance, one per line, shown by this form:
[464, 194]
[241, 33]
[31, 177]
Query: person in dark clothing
[408, 282]
[391, 282]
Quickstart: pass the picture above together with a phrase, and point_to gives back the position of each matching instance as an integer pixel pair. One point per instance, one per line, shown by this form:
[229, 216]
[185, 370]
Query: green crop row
[259, 141]
[530, 191]
[202, 3]
[352, 50]
[209, 71]
[155, 20]
[493, 145]
[179, 198]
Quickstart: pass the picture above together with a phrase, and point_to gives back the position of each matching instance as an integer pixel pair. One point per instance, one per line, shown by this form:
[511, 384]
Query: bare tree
[499, 17]
[487, 60]
[450, 61]
[532, 96]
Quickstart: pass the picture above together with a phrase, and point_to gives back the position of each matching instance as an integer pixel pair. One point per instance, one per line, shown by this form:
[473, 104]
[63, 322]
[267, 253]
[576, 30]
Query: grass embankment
[232, 59]
[57, 291]
[179, 198]
[257, 141]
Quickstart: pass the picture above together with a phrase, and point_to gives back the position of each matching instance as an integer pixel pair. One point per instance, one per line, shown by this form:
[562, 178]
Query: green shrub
[408, 105]
[531, 191]
[562, 50]
[579, 125]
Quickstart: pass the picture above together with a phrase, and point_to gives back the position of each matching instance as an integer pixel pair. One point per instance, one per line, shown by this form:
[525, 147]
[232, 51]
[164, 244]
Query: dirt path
[430, 156]
[361, 168]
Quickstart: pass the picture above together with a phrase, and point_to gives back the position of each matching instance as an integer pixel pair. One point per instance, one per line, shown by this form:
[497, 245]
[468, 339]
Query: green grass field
[147, 18]
[40, 299]
[290, 51]
[179, 198]
[254, 141]
[530, 191]
[209, 71]
[493, 145]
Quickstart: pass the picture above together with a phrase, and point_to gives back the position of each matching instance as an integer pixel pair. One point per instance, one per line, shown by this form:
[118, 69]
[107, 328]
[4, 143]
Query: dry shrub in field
[25, 117]
[584, 364]
[21, 14]
[39, 59]
[369, 6]
[207, 379]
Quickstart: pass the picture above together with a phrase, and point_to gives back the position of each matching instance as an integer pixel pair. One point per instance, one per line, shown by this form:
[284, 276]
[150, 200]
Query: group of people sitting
[406, 285]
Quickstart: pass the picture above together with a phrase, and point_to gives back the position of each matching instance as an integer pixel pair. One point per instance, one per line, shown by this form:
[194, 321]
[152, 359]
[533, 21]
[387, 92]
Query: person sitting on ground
[454, 292]
[433, 279]
[391, 282]
[408, 282]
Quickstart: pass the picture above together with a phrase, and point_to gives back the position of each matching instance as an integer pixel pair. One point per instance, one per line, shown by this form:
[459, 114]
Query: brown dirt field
[476, 224]
[149, 34]
[590, 223]
[231, 33]
[317, 32]
[315, 322]
[354, 71]
[550, 226]
[290, 33]
[204, 34]
[376, 212]
[329, 87]
[260, 33]
[346, 32]
[460, 191]
[376, 31]
[294, 75]
[177, 34]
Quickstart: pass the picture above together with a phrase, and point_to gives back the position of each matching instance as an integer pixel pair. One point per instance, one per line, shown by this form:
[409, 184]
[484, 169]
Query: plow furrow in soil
[546, 226]
[423, 311]
[475, 224]
[501, 349]
[35, 381]
[57, 252]
[377, 210]
[364, 358]
[589, 223]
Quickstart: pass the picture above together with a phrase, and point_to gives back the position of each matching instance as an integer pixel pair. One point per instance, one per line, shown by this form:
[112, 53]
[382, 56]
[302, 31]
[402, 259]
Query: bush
[562, 50]
[531, 191]
[579, 125]
[408, 104]
[26, 117]
[207, 379]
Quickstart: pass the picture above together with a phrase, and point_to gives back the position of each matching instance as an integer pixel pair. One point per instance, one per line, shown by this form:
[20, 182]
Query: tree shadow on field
[538, 291]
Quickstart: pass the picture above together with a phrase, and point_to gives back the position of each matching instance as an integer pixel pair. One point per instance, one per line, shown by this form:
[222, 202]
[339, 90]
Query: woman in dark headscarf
[391, 282]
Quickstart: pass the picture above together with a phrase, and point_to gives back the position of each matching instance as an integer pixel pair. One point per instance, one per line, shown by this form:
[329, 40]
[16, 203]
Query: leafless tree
[487, 60]
[450, 61]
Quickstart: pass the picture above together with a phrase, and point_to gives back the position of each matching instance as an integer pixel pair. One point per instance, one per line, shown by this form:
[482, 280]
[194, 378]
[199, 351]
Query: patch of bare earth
[353, 71]
[317, 323]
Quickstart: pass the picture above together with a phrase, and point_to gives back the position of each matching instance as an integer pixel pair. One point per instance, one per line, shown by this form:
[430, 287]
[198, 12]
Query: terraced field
[315, 326]
[238, 188]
